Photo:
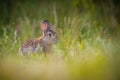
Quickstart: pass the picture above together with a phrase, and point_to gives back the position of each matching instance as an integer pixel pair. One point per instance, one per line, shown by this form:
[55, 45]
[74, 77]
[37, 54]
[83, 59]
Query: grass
[84, 51]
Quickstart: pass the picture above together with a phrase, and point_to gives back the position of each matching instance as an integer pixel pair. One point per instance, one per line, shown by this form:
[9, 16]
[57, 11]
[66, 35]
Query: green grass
[84, 51]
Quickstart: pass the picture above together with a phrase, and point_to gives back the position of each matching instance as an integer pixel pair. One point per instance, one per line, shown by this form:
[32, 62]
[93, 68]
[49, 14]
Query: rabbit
[44, 42]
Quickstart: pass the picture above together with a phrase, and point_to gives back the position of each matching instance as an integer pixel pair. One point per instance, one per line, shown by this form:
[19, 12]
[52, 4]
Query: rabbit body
[45, 42]
[30, 46]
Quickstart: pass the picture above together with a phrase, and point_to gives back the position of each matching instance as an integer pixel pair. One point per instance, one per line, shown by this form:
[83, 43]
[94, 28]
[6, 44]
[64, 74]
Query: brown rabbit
[48, 38]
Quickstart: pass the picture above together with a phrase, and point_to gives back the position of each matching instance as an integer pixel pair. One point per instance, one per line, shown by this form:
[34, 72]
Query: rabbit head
[49, 36]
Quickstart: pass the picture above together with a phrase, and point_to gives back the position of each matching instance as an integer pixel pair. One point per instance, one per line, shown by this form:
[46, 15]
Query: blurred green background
[88, 32]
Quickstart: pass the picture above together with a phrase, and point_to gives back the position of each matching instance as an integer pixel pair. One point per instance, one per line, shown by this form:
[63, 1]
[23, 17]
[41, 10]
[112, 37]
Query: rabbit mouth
[56, 40]
[53, 41]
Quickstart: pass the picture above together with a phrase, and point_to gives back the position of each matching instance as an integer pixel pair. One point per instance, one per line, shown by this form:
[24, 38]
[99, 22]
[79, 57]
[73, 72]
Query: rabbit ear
[45, 25]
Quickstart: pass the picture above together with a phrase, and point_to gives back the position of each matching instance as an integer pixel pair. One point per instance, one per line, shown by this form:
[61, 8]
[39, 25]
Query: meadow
[88, 47]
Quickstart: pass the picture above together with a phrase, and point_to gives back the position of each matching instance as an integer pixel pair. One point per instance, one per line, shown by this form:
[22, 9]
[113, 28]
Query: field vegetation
[88, 33]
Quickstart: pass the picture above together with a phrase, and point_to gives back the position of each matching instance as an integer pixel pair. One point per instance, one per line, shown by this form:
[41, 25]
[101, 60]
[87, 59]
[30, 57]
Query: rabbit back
[30, 46]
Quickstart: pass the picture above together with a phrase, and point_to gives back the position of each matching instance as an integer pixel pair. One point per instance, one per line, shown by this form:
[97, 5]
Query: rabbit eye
[49, 34]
